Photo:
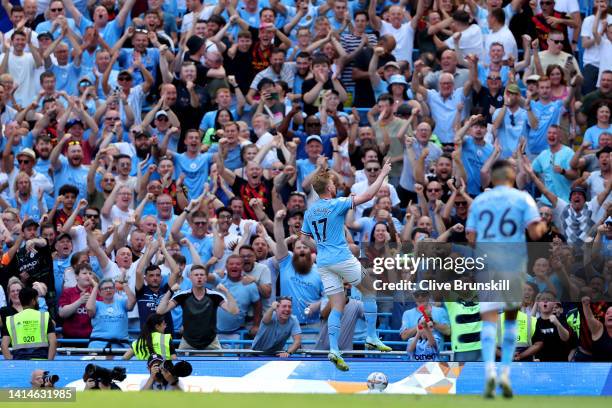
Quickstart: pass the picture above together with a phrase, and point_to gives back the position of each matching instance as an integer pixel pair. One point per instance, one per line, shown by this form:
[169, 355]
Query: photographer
[42, 379]
[164, 375]
[100, 378]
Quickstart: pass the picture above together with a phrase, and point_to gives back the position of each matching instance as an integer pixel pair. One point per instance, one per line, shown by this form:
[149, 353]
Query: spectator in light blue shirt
[511, 121]
[443, 103]
[109, 316]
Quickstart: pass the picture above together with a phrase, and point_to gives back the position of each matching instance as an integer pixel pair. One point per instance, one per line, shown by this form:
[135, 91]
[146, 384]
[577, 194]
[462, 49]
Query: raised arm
[375, 21]
[374, 187]
[279, 235]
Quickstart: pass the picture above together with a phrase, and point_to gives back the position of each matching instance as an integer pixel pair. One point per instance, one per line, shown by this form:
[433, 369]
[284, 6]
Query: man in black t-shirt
[35, 264]
[199, 310]
[312, 88]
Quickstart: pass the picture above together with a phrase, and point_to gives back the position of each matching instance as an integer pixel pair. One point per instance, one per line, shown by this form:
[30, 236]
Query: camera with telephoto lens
[180, 369]
[50, 379]
[104, 376]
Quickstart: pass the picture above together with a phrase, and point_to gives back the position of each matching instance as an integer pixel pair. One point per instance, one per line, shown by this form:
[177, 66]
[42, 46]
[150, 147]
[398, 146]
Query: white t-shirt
[23, 71]
[503, 36]
[568, 7]
[470, 42]
[359, 188]
[205, 14]
[115, 214]
[605, 56]
[592, 54]
[404, 40]
[272, 156]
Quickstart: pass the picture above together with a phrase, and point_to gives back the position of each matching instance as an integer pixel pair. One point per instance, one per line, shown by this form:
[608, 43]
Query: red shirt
[79, 324]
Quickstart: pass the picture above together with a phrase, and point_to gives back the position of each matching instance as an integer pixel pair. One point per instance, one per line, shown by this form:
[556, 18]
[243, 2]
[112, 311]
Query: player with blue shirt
[324, 223]
[500, 216]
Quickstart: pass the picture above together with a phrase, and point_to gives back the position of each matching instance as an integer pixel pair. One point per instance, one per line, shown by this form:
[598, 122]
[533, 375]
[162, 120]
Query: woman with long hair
[13, 305]
[152, 340]
[222, 117]
[559, 88]
[593, 133]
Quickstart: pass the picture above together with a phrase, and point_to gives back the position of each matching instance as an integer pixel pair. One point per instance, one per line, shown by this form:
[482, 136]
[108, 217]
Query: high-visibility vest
[161, 346]
[525, 328]
[465, 326]
[28, 329]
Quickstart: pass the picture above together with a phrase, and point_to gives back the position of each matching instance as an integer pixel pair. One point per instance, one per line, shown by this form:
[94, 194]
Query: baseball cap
[46, 34]
[29, 223]
[154, 358]
[609, 220]
[579, 190]
[27, 152]
[161, 113]
[62, 236]
[194, 43]
[513, 88]
[125, 73]
[392, 64]
[141, 134]
[314, 137]
[532, 78]
[404, 110]
[73, 122]
[397, 79]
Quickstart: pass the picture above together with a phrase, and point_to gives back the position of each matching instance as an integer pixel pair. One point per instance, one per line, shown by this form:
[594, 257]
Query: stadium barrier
[316, 375]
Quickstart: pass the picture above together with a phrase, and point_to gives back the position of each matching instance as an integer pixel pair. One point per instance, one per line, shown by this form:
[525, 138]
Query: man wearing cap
[576, 218]
[315, 159]
[61, 262]
[34, 262]
[510, 121]
[26, 159]
[160, 379]
[403, 32]
[553, 165]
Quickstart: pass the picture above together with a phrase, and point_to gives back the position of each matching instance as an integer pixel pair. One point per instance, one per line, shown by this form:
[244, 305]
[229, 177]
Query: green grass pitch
[106, 399]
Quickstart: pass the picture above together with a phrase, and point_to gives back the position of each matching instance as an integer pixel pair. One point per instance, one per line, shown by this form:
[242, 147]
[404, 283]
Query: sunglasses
[372, 169]
[461, 203]
[22, 161]
[108, 288]
[115, 119]
[278, 168]
[74, 143]
[558, 42]
[163, 118]
[490, 78]
[545, 214]
[56, 10]
[512, 122]
[124, 78]
[434, 190]
[91, 215]
[200, 223]
[141, 30]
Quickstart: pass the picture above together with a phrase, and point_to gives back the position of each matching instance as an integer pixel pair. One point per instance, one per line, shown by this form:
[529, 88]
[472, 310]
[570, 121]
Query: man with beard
[148, 296]
[42, 148]
[299, 277]
[97, 198]
[70, 171]
[277, 71]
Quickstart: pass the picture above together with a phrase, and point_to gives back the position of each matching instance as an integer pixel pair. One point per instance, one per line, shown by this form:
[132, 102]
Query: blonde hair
[320, 181]
[20, 175]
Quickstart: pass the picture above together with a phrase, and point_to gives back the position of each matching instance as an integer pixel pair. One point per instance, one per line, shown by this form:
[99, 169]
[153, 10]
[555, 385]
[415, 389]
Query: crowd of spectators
[157, 158]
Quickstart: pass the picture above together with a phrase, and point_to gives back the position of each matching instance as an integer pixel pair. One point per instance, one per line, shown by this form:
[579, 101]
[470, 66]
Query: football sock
[509, 342]
[370, 310]
[488, 340]
[333, 328]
